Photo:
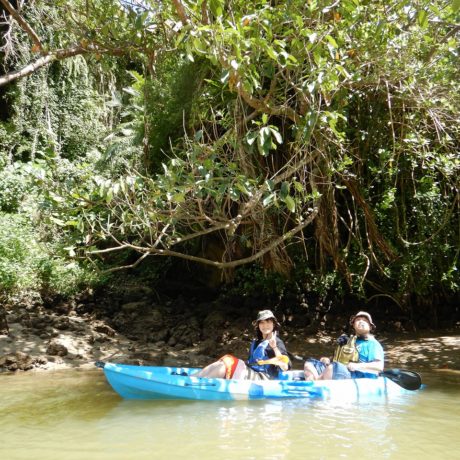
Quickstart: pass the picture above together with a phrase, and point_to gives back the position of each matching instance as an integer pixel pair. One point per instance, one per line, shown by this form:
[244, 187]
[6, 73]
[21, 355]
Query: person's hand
[272, 340]
[343, 339]
[353, 367]
[325, 361]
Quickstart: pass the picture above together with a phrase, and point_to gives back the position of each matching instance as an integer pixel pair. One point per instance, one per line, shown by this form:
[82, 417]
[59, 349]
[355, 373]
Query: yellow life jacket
[347, 353]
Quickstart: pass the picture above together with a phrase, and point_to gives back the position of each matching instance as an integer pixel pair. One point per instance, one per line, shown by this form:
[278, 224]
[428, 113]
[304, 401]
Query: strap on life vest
[257, 354]
[347, 353]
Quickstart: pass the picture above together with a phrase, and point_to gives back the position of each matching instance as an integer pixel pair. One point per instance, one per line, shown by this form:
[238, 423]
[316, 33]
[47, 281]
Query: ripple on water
[76, 415]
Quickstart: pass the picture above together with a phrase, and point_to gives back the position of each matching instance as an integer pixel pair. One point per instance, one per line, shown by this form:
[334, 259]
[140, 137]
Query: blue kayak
[145, 382]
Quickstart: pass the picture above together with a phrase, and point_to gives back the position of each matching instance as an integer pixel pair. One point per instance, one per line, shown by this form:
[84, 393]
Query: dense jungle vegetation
[306, 146]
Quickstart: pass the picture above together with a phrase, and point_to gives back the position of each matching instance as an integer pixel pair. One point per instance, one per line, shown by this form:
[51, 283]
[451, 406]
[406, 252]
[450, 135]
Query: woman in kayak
[267, 346]
[358, 356]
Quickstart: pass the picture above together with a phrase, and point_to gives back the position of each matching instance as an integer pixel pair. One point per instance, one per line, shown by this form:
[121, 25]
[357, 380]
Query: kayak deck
[154, 382]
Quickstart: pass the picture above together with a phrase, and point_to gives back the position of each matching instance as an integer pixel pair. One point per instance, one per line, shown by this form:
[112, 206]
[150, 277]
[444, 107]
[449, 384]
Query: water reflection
[265, 425]
[40, 397]
[76, 415]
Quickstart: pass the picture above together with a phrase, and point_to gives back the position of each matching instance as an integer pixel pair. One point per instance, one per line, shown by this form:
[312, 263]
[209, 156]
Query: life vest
[257, 353]
[347, 353]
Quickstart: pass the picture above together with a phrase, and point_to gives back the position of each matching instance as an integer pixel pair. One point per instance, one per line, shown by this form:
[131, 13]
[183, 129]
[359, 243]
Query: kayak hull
[154, 382]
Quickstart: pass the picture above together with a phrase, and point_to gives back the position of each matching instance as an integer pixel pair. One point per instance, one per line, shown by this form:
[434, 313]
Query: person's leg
[312, 369]
[240, 370]
[340, 371]
[327, 373]
[212, 371]
[335, 371]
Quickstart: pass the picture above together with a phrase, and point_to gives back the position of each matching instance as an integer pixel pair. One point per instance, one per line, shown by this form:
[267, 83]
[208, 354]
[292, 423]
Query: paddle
[276, 361]
[409, 380]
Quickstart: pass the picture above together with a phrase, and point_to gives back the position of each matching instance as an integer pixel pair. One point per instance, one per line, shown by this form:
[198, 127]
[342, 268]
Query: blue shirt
[369, 350]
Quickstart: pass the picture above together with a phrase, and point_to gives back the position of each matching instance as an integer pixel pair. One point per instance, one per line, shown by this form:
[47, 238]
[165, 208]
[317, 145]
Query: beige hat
[363, 314]
[264, 314]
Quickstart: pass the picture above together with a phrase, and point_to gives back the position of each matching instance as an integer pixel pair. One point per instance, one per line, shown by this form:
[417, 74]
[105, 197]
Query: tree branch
[23, 24]
[222, 265]
[262, 105]
[180, 11]
[40, 62]
[375, 235]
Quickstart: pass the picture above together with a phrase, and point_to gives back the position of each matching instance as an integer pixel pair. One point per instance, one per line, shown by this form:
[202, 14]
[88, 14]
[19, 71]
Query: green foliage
[253, 281]
[59, 276]
[18, 254]
[124, 144]
[383, 127]
[154, 114]
[56, 113]
[246, 121]
[323, 285]
[169, 102]
[27, 263]
[13, 187]
[321, 289]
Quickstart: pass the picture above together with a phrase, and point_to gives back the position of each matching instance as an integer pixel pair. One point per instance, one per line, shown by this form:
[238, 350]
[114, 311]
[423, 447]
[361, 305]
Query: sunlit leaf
[216, 7]
[422, 19]
[284, 190]
[178, 198]
[276, 134]
[332, 41]
[290, 203]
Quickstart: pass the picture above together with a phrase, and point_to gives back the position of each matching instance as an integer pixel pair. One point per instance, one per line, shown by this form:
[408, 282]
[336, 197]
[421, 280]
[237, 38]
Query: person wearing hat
[266, 346]
[358, 356]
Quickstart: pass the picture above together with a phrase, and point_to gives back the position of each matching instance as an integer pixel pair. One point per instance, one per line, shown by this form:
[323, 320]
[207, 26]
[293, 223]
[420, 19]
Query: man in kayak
[266, 347]
[358, 356]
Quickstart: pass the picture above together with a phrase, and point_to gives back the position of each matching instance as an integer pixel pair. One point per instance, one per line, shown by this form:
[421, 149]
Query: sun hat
[263, 315]
[363, 314]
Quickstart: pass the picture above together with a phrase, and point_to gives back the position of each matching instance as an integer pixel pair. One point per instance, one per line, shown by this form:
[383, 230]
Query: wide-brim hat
[365, 315]
[263, 315]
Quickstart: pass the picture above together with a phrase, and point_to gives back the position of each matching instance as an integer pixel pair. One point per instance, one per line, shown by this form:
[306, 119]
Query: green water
[75, 415]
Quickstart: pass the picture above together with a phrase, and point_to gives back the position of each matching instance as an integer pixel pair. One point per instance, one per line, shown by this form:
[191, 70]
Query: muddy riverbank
[133, 329]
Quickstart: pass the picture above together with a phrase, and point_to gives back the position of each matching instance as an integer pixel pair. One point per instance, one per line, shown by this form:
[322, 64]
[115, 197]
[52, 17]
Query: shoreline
[82, 341]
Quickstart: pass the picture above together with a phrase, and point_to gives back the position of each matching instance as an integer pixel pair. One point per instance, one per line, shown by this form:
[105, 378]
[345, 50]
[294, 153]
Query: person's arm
[279, 349]
[375, 360]
[374, 367]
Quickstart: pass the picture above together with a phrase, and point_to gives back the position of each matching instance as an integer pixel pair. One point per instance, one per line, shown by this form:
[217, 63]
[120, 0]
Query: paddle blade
[408, 380]
[276, 361]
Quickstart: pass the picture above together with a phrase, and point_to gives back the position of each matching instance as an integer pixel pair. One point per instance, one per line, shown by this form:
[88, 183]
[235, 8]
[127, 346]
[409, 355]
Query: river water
[73, 415]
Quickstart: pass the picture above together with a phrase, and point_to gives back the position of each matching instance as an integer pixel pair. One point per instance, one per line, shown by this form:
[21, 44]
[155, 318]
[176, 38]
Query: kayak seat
[184, 374]
[291, 375]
